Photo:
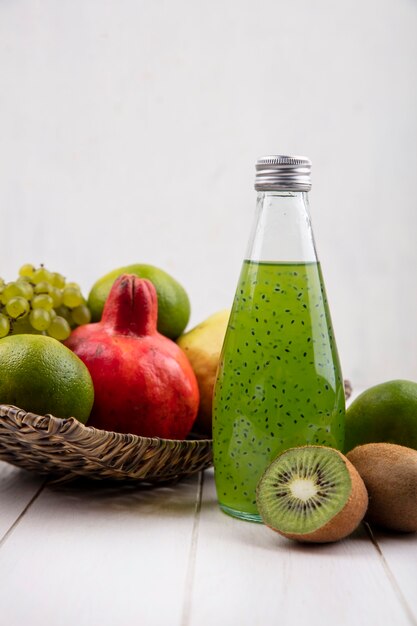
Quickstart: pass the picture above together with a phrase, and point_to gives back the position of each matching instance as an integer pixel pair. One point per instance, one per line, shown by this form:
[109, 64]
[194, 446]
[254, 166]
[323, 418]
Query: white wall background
[129, 131]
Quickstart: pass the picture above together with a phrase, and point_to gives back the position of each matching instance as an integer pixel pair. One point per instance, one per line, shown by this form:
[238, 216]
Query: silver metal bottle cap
[283, 173]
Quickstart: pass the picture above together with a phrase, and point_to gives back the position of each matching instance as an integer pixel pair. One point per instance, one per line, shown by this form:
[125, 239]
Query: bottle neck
[282, 229]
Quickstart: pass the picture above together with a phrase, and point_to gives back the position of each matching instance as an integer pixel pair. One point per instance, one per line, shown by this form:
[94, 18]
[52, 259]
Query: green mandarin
[279, 383]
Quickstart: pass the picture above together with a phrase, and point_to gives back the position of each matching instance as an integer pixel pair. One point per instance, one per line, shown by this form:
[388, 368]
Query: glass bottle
[279, 382]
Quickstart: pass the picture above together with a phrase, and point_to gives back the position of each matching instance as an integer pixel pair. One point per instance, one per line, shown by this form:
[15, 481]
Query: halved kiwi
[312, 493]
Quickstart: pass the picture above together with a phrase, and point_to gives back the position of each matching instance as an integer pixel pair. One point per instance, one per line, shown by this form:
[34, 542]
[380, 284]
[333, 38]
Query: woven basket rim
[64, 446]
[7, 408]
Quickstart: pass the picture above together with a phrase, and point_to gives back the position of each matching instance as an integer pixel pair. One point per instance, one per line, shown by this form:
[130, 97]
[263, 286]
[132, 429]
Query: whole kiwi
[389, 472]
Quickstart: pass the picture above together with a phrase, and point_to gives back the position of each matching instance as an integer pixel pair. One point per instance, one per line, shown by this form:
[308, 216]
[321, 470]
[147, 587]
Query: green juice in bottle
[279, 382]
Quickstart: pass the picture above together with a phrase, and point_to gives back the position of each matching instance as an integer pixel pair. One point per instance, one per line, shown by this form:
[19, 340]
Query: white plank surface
[88, 554]
[96, 555]
[17, 489]
[399, 553]
[245, 574]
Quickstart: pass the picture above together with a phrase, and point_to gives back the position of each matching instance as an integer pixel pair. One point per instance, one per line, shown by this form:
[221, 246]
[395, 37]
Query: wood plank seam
[397, 590]
[189, 579]
[9, 531]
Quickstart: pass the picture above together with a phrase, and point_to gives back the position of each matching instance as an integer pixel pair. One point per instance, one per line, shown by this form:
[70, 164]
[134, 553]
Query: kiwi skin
[389, 472]
[346, 520]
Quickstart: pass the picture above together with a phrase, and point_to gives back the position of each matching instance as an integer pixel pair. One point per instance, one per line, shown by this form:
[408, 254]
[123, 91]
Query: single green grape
[17, 307]
[24, 279]
[56, 295]
[26, 289]
[72, 285]
[40, 319]
[59, 329]
[72, 297]
[64, 311]
[27, 270]
[43, 287]
[41, 275]
[81, 315]
[43, 301]
[12, 290]
[4, 325]
[57, 280]
[9, 291]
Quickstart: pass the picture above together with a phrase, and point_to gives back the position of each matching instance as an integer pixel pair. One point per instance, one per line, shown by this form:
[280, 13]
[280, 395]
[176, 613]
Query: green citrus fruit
[384, 413]
[173, 302]
[41, 375]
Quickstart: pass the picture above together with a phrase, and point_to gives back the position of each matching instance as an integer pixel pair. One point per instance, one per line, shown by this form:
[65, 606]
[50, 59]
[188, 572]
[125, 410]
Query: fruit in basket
[144, 383]
[41, 375]
[384, 413]
[203, 345]
[313, 494]
[389, 472]
[173, 302]
[41, 302]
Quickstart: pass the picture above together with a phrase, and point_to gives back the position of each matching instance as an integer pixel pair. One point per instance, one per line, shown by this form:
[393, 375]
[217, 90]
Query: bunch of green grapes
[41, 302]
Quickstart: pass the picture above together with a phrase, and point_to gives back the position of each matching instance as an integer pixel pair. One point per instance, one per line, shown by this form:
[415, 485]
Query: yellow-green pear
[203, 344]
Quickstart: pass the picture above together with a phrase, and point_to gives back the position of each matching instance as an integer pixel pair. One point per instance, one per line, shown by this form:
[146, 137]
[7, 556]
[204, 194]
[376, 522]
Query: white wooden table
[94, 555]
[123, 556]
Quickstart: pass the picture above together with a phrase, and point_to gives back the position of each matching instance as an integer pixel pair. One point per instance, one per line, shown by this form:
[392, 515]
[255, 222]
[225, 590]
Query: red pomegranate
[143, 381]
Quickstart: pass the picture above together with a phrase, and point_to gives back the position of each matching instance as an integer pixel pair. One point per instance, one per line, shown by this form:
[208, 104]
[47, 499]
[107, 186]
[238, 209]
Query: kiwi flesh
[389, 472]
[312, 494]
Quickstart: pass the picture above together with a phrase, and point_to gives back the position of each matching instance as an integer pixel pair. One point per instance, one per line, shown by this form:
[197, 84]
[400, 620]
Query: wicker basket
[66, 449]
